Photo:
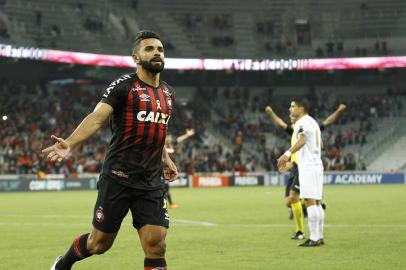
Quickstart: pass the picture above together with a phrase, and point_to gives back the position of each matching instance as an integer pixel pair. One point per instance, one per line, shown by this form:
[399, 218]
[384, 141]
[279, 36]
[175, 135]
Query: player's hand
[288, 166]
[170, 170]
[342, 107]
[190, 132]
[58, 151]
[268, 109]
[282, 160]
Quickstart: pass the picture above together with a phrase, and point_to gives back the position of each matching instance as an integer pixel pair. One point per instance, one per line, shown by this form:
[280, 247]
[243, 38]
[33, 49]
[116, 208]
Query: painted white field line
[248, 225]
[46, 216]
[194, 223]
[178, 221]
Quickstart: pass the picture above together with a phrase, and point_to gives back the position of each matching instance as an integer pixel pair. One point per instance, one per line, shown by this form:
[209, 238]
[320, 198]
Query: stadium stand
[208, 28]
[346, 145]
[232, 134]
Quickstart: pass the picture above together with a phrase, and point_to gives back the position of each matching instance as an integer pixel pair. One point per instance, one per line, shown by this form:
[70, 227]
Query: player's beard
[152, 67]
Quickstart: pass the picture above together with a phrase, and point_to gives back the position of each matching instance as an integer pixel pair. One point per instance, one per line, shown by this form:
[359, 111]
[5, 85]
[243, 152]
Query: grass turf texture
[228, 228]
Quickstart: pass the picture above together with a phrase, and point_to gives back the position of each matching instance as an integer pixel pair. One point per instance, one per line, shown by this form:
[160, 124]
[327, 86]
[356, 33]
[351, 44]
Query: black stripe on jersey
[140, 148]
[156, 134]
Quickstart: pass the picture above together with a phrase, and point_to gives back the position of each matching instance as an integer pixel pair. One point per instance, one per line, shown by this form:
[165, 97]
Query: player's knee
[156, 246]
[294, 199]
[99, 247]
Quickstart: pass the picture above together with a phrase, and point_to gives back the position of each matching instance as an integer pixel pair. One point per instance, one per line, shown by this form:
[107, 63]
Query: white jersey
[310, 153]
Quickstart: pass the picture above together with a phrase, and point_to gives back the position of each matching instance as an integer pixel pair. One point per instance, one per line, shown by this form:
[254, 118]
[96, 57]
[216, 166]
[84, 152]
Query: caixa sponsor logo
[210, 182]
[246, 181]
[154, 117]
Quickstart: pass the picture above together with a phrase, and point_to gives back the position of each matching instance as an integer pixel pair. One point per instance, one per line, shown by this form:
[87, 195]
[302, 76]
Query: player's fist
[288, 166]
[190, 132]
[268, 109]
[282, 160]
[170, 170]
[342, 107]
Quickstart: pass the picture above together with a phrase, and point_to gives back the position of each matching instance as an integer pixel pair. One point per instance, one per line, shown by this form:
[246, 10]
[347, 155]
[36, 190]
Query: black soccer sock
[78, 251]
[155, 264]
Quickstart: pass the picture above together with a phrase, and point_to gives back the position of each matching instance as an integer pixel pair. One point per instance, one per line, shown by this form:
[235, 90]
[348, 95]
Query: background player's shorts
[114, 201]
[166, 186]
[293, 181]
[311, 182]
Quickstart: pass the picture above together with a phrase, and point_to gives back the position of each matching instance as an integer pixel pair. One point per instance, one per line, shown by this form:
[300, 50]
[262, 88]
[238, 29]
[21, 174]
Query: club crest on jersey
[169, 101]
[144, 97]
[99, 214]
[154, 117]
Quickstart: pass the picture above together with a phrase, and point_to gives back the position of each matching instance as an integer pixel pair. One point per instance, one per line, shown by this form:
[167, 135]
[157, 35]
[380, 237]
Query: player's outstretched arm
[89, 126]
[276, 119]
[189, 132]
[334, 116]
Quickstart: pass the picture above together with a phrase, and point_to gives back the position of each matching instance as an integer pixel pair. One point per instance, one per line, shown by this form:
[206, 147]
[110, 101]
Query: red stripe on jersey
[140, 126]
[152, 125]
[161, 131]
[129, 115]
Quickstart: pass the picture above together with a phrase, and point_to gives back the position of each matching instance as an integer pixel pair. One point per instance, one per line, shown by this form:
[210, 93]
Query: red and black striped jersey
[139, 125]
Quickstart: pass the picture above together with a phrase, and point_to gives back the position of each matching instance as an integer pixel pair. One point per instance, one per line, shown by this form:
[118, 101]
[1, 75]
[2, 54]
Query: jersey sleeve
[169, 90]
[303, 127]
[115, 96]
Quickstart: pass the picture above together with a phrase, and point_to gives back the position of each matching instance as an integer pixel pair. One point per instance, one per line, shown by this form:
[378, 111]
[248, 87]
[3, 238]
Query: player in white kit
[308, 151]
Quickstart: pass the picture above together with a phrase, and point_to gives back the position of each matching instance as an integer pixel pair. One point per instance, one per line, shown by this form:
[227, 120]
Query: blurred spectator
[38, 18]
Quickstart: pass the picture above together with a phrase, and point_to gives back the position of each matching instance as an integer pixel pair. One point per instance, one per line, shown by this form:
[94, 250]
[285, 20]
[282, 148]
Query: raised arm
[189, 133]
[276, 119]
[334, 116]
[86, 129]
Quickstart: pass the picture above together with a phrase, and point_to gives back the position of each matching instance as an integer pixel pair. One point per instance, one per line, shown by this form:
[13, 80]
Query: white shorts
[311, 182]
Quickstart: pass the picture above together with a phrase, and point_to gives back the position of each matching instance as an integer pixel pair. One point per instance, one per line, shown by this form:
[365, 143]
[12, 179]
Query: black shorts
[114, 201]
[293, 181]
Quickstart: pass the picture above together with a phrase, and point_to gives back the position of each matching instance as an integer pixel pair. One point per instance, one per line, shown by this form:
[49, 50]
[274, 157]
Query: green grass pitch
[224, 228]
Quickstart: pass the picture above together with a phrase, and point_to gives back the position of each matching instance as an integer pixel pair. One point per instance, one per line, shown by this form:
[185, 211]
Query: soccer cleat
[173, 206]
[53, 267]
[309, 243]
[321, 242]
[298, 236]
[290, 214]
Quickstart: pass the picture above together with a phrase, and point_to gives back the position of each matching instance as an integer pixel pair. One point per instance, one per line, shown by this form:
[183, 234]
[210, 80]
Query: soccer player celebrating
[308, 149]
[292, 190]
[140, 106]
